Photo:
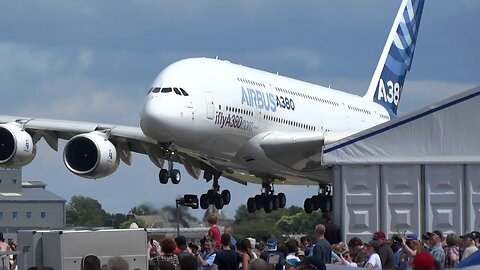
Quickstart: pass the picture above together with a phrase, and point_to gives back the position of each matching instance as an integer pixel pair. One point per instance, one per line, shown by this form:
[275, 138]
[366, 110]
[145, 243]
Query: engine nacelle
[91, 155]
[16, 146]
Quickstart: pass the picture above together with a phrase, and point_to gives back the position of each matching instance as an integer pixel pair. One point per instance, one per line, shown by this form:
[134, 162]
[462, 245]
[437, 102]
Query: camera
[396, 238]
[195, 248]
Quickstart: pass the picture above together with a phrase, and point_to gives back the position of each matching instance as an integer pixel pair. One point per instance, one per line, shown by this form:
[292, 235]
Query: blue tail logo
[389, 77]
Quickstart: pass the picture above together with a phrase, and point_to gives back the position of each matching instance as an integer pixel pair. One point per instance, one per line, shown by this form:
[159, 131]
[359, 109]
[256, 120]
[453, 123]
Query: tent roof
[445, 132]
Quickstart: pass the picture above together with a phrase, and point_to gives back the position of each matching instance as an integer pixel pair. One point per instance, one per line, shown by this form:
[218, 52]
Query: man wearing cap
[437, 251]
[469, 244]
[385, 252]
[272, 256]
[322, 249]
[423, 261]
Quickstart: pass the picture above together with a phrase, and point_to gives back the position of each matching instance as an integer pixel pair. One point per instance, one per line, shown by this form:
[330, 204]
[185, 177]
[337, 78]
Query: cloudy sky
[94, 60]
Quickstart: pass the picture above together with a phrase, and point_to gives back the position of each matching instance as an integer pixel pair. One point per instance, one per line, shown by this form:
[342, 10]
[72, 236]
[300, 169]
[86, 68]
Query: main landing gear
[214, 196]
[321, 201]
[267, 200]
[173, 174]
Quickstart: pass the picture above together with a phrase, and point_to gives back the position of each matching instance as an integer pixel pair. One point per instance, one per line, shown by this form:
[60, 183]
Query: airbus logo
[259, 99]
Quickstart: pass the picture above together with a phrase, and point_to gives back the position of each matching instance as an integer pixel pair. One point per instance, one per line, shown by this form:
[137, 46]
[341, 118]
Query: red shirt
[214, 233]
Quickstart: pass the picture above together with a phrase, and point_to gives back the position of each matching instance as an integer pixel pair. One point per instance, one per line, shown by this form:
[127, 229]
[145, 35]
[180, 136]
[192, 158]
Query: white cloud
[85, 58]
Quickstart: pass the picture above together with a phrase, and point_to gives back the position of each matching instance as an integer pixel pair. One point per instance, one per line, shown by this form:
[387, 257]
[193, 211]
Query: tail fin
[396, 59]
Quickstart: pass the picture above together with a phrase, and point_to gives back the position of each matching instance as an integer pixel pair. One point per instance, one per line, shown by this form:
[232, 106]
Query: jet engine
[16, 146]
[91, 155]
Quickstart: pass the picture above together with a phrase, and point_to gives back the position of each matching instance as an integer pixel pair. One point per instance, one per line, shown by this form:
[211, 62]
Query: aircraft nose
[155, 119]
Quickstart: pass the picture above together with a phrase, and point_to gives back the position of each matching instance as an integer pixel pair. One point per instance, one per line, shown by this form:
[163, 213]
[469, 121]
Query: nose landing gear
[267, 199]
[323, 200]
[173, 174]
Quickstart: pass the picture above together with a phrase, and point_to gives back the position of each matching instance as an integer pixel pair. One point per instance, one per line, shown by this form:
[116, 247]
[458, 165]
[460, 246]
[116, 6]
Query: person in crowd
[292, 260]
[153, 250]
[332, 230]
[226, 259]
[306, 244]
[476, 235]
[272, 255]
[423, 261]
[336, 251]
[244, 250]
[181, 242]
[233, 240]
[436, 249]
[469, 244]
[358, 251]
[452, 251]
[90, 262]
[258, 264]
[385, 251]
[346, 259]
[400, 261]
[208, 256]
[214, 231]
[373, 262]
[322, 247]
[189, 262]
[407, 250]
[254, 250]
[3, 246]
[168, 246]
[117, 263]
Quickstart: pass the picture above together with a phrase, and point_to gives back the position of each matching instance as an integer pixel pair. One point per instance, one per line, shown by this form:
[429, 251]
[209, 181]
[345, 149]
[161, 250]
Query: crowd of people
[218, 251]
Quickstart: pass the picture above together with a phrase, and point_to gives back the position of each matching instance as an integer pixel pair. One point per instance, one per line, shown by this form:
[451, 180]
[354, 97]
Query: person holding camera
[206, 259]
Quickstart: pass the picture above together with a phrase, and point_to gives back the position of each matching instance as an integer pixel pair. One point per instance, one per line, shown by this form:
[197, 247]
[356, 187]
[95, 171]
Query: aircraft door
[210, 106]
[257, 117]
[320, 127]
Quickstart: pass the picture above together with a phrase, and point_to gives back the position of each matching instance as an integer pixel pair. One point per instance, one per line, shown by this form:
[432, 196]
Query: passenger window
[177, 91]
[156, 90]
[167, 90]
[184, 92]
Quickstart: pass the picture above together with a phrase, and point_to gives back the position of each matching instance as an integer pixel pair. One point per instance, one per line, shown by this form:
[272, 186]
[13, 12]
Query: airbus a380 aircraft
[229, 120]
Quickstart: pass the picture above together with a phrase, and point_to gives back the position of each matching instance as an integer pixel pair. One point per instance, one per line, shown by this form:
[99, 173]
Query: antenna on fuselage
[216, 57]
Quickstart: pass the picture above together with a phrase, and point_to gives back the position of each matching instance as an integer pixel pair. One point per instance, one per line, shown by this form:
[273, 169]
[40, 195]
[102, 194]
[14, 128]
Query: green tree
[86, 212]
[144, 209]
[115, 220]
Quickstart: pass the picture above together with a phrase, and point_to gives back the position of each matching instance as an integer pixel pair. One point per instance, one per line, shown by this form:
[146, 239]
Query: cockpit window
[166, 90]
[184, 92]
[150, 90]
[177, 91]
[156, 90]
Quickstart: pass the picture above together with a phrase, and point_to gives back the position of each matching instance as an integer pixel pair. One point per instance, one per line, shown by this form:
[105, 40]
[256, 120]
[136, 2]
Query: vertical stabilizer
[396, 59]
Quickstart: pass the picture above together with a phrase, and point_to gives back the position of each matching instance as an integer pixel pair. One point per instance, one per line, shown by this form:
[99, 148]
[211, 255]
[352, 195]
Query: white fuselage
[228, 104]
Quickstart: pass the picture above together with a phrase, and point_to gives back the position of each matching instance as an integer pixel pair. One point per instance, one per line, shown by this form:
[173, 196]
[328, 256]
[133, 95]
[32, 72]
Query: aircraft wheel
[251, 205]
[211, 195]
[308, 205]
[258, 202]
[282, 199]
[204, 201]
[219, 201]
[275, 202]
[163, 176]
[267, 204]
[175, 176]
[226, 196]
[317, 201]
[327, 205]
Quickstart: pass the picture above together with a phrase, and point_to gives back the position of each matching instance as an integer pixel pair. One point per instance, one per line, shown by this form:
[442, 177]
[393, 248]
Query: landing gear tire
[211, 195]
[251, 205]
[175, 176]
[218, 201]
[258, 202]
[204, 201]
[226, 196]
[317, 201]
[268, 205]
[163, 176]
[275, 202]
[282, 199]
[308, 205]
[327, 204]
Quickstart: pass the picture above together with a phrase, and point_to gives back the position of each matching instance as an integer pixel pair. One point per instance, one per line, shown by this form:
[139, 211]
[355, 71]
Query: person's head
[117, 263]
[271, 244]
[373, 247]
[209, 245]
[212, 219]
[90, 262]
[244, 245]
[291, 245]
[347, 256]
[225, 240]
[476, 234]
[181, 242]
[423, 261]
[168, 245]
[411, 240]
[229, 230]
[468, 240]
[379, 237]
[337, 248]
[189, 262]
[320, 231]
[305, 241]
[435, 237]
[355, 243]
[452, 240]
[258, 264]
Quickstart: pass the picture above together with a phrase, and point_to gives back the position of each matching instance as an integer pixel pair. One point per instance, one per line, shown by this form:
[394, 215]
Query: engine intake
[90, 156]
[16, 146]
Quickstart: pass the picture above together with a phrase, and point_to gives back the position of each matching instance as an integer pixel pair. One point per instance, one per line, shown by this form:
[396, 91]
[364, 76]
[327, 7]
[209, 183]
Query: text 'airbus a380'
[229, 120]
